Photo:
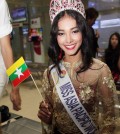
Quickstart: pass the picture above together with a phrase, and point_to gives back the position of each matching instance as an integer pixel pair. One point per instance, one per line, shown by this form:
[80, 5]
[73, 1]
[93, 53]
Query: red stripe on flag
[17, 81]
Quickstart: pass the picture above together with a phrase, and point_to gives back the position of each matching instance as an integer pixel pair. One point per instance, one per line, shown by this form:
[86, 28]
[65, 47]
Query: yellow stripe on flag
[16, 65]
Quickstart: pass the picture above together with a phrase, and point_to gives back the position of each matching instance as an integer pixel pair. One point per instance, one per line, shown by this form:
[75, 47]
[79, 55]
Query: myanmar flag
[18, 72]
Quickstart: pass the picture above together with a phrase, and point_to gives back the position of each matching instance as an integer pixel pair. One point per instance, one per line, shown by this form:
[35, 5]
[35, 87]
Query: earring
[60, 54]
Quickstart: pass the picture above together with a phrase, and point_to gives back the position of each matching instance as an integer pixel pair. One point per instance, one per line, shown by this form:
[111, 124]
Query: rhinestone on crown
[57, 6]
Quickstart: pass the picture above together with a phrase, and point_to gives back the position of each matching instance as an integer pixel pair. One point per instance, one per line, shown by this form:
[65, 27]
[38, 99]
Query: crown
[57, 6]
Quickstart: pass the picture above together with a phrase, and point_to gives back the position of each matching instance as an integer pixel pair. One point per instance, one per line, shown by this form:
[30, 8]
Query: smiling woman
[69, 36]
[76, 83]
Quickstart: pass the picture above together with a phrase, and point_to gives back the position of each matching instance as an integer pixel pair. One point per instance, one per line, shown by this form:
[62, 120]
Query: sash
[71, 102]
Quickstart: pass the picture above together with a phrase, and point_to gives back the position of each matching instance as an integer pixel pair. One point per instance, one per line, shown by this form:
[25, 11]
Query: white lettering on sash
[73, 106]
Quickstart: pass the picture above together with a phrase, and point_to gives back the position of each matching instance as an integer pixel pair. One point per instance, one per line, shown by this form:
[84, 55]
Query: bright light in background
[109, 0]
[96, 25]
[110, 23]
[91, 4]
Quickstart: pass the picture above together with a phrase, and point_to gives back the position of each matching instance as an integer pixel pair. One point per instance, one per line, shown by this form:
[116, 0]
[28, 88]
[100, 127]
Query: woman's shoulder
[97, 62]
[99, 65]
[47, 74]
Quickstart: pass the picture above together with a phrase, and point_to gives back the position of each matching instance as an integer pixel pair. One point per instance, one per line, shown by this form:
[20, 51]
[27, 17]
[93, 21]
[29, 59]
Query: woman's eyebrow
[70, 29]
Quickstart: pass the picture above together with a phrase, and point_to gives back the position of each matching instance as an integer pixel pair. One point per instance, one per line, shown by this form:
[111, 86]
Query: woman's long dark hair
[112, 55]
[54, 50]
[110, 45]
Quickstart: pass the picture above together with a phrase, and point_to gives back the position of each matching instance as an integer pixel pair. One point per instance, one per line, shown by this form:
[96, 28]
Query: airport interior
[28, 15]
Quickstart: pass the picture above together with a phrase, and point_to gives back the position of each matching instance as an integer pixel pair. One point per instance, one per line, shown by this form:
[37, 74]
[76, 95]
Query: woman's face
[114, 41]
[69, 36]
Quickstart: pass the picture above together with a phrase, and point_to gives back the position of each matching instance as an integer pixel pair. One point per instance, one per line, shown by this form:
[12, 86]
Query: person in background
[6, 54]
[112, 55]
[76, 81]
[91, 16]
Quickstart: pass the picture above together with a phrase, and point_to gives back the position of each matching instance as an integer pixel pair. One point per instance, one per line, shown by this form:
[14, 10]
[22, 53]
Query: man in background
[6, 54]
[91, 16]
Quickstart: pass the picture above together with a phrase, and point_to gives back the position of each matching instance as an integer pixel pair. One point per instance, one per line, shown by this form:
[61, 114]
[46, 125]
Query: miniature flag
[18, 72]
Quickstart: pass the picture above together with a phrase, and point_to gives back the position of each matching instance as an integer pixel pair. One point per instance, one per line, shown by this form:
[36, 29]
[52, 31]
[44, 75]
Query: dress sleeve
[5, 24]
[47, 87]
[109, 102]
[47, 95]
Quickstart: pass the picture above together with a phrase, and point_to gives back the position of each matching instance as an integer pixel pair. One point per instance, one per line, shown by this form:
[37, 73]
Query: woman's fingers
[43, 104]
[44, 113]
[44, 118]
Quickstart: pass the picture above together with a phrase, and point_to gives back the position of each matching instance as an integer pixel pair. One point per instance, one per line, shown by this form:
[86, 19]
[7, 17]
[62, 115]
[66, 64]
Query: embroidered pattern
[109, 82]
[86, 93]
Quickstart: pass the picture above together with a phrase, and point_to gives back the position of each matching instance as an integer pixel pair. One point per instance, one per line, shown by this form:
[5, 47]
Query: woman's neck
[73, 58]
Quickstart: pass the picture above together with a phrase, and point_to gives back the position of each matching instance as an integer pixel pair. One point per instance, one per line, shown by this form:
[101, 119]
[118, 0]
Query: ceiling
[23, 2]
[100, 5]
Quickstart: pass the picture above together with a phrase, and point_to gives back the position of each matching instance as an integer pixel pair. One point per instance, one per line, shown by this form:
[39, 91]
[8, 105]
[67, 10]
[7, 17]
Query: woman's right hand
[44, 112]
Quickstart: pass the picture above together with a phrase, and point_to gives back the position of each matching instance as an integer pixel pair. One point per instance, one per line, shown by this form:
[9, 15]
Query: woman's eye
[75, 31]
[60, 34]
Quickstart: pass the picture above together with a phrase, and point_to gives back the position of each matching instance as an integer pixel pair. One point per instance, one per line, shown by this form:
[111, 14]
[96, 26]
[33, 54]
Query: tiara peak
[57, 6]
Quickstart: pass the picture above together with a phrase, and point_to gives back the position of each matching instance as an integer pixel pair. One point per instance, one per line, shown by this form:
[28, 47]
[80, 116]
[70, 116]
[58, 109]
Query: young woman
[112, 55]
[75, 71]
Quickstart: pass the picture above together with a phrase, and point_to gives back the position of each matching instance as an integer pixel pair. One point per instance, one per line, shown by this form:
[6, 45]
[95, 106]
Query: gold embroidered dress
[97, 92]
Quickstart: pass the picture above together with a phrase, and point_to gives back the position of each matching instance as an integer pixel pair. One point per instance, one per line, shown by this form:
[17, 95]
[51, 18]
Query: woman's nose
[68, 38]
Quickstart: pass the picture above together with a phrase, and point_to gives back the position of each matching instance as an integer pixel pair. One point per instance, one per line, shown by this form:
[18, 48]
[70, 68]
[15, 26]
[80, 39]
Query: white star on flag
[18, 72]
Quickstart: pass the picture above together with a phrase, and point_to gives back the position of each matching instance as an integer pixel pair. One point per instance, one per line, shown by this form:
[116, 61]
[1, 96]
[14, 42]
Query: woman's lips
[70, 47]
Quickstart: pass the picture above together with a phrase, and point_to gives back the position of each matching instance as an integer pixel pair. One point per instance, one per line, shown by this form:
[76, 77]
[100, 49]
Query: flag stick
[36, 86]
[39, 90]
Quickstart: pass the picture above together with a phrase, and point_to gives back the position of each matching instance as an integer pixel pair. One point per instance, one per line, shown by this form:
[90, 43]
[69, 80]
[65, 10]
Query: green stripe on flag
[14, 76]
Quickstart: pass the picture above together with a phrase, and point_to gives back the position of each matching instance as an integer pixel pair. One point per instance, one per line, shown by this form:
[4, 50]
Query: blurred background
[26, 14]
[29, 18]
